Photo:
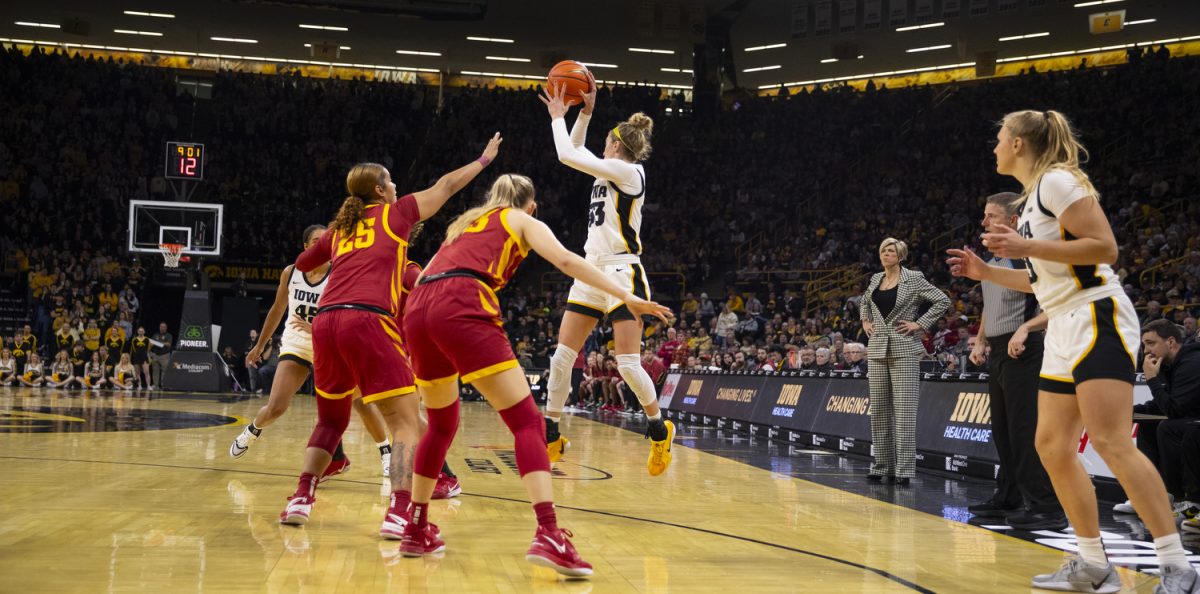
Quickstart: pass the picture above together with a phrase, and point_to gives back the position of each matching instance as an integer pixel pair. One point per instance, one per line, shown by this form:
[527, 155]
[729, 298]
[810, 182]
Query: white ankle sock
[1092, 551]
[1170, 551]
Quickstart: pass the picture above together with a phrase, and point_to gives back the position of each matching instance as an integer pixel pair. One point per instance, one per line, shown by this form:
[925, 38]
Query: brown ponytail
[360, 185]
[634, 136]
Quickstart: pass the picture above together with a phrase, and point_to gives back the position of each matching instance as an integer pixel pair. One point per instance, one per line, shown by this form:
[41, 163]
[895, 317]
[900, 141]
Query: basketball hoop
[171, 252]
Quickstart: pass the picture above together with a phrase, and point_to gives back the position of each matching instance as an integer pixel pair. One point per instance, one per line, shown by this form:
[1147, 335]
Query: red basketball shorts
[454, 329]
[354, 348]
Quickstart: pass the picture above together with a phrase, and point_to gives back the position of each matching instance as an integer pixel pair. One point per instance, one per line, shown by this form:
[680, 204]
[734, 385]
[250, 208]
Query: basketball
[574, 79]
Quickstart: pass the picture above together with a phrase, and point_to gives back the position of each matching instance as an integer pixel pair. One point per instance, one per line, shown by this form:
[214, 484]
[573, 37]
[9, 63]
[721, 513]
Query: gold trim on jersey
[388, 228]
[1117, 327]
[324, 394]
[436, 382]
[516, 239]
[369, 398]
[1095, 336]
[489, 370]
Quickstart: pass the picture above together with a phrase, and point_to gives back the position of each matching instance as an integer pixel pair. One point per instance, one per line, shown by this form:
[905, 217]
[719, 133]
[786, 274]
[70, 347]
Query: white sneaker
[1077, 576]
[387, 463]
[242, 443]
[297, 511]
[1124, 508]
[1178, 581]
[1191, 526]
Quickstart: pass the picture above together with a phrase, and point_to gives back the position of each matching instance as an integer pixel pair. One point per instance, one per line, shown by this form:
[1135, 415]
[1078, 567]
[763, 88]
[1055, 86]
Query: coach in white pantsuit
[889, 308]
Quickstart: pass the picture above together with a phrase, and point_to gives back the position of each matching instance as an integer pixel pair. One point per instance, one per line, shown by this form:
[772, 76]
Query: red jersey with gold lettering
[488, 247]
[368, 266]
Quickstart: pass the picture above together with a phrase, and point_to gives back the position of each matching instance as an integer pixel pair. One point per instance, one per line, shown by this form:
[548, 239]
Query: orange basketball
[573, 78]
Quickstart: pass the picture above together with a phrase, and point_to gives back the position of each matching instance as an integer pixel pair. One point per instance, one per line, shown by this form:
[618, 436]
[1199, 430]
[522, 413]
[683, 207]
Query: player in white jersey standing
[299, 293]
[614, 245]
[1088, 365]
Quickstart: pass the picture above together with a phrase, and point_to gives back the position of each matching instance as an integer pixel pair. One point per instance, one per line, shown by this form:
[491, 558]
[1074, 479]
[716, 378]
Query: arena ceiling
[529, 35]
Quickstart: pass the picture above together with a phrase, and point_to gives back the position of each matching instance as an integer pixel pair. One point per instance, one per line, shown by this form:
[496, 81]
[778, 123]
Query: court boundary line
[880, 572]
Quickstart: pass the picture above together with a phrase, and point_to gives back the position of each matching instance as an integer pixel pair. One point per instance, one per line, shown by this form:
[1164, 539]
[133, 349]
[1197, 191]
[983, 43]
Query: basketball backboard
[196, 226]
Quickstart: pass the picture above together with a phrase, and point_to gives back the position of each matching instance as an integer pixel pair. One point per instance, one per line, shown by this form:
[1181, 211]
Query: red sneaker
[418, 542]
[297, 511]
[551, 548]
[335, 467]
[447, 487]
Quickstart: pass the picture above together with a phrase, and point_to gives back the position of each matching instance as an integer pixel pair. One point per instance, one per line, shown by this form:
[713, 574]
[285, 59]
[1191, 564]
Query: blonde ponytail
[634, 136]
[508, 191]
[1052, 143]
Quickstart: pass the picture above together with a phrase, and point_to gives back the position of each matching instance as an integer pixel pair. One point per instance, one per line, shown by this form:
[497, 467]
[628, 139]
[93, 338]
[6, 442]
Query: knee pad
[333, 416]
[529, 436]
[431, 450]
[558, 385]
[636, 378]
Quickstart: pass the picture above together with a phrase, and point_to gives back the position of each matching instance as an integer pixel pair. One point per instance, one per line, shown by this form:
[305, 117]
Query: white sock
[1092, 551]
[657, 417]
[558, 386]
[630, 367]
[1170, 551]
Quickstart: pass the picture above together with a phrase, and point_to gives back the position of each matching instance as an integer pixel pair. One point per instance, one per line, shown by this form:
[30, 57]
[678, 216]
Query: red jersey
[487, 247]
[368, 267]
[412, 271]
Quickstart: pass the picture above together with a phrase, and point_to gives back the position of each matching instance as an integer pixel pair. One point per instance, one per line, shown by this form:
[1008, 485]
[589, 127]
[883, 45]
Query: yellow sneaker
[557, 448]
[660, 452]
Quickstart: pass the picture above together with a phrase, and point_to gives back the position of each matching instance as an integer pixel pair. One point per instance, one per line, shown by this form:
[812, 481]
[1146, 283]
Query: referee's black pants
[1013, 388]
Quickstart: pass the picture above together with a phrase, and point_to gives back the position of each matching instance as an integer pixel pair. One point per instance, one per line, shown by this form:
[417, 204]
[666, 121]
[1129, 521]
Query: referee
[1024, 497]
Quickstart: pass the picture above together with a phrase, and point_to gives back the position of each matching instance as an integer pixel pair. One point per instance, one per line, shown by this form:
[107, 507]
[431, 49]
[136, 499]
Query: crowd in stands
[812, 180]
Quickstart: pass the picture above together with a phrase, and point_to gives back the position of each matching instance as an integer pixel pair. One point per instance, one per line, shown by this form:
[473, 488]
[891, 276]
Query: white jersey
[615, 218]
[302, 305]
[1059, 287]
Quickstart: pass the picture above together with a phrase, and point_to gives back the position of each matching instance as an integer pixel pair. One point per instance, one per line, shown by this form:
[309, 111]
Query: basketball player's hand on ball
[589, 98]
[1006, 243]
[640, 307]
[493, 147]
[552, 97]
[964, 262]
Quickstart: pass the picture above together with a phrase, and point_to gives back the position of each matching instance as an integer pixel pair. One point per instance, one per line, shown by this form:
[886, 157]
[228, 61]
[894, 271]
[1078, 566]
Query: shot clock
[185, 160]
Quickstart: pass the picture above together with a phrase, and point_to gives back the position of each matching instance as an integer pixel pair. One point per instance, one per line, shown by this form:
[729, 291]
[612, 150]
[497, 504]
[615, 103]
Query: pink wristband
[484, 161]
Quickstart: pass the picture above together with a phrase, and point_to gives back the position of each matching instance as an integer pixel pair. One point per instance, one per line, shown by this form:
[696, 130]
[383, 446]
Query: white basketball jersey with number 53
[615, 218]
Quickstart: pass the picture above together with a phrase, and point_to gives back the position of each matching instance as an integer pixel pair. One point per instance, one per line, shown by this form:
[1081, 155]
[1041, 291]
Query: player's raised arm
[615, 170]
[431, 200]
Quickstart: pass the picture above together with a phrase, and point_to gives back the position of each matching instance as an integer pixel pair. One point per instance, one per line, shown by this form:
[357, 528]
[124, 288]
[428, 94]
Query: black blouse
[885, 300]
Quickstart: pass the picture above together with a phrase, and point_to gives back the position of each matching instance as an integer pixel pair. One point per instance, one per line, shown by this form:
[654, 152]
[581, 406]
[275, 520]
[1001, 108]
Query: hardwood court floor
[120, 493]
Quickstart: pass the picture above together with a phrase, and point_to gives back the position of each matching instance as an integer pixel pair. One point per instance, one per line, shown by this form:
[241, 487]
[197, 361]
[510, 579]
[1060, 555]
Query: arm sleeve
[940, 303]
[579, 130]
[316, 255]
[625, 175]
[1058, 190]
[403, 215]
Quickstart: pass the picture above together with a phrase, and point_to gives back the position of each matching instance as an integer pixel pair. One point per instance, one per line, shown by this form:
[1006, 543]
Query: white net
[171, 253]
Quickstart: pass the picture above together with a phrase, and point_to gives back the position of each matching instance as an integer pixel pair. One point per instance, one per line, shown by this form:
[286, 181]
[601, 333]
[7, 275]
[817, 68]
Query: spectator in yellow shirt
[91, 337]
[108, 298]
[735, 303]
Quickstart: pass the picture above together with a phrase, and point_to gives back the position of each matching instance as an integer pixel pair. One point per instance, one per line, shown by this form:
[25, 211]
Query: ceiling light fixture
[643, 50]
[765, 47]
[1029, 36]
[325, 27]
[504, 59]
[928, 48]
[417, 53]
[598, 65]
[1140, 22]
[1095, 3]
[915, 27]
[42, 25]
[234, 39]
[490, 39]
[761, 68]
[160, 15]
[132, 32]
